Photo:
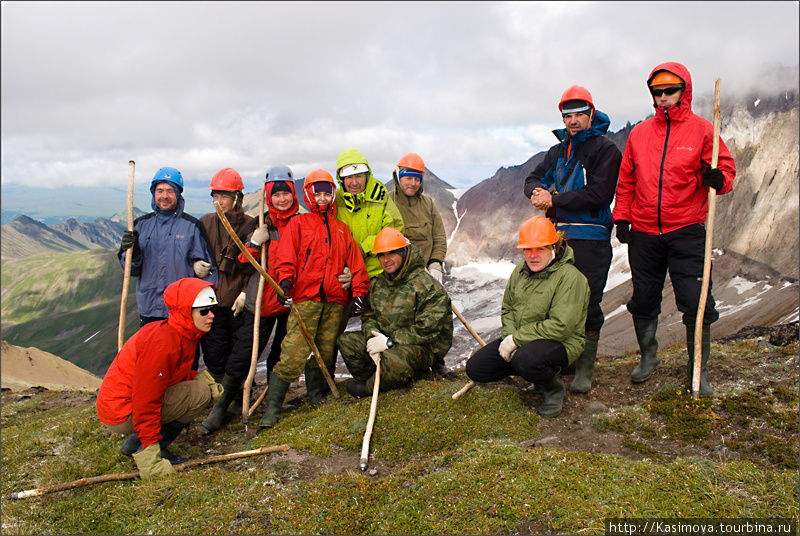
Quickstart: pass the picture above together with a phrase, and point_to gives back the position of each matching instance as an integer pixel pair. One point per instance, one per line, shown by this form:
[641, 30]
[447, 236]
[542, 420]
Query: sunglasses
[204, 311]
[668, 91]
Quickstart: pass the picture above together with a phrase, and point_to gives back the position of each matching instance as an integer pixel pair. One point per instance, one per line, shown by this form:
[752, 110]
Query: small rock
[548, 441]
[764, 345]
[528, 443]
[373, 472]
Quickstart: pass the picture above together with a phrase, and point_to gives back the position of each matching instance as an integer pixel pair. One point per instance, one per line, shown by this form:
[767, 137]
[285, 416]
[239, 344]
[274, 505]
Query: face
[323, 198]
[165, 196]
[409, 185]
[664, 100]
[225, 202]
[576, 122]
[355, 184]
[537, 258]
[281, 200]
[391, 262]
[202, 322]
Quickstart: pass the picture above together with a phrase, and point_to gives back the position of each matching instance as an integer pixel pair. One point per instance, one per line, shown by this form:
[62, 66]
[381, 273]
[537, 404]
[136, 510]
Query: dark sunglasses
[204, 311]
[668, 91]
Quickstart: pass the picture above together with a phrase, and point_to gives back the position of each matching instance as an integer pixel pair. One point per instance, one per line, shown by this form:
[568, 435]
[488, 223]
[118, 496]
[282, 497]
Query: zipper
[661, 172]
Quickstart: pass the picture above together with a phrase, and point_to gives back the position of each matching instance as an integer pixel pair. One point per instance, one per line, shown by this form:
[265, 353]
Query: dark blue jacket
[583, 186]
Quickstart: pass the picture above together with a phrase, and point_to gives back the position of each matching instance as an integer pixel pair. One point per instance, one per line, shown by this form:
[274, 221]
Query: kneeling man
[407, 322]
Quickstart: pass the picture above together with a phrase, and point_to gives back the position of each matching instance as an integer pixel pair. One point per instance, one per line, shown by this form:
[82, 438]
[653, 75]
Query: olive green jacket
[424, 226]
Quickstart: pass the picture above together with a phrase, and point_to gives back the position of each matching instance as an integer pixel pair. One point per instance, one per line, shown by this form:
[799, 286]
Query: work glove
[151, 464]
[357, 307]
[623, 231]
[208, 379]
[260, 235]
[378, 343]
[507, 348]
[713, 178]
[436, 270]
[238, 305]
[202, 268]
[129, 239]
[286, 287]
[346, 278]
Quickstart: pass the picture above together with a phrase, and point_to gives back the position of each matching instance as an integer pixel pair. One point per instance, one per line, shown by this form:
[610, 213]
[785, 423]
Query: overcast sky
[470, 86]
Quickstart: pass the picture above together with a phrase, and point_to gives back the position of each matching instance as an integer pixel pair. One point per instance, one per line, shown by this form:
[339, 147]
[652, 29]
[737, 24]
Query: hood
[599, 126]
[179, 297]
[374, 190]
[280, 215]
[685, 104]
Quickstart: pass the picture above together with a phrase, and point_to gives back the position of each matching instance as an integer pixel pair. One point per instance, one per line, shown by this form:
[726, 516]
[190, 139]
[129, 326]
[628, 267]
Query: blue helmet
[279, 173]
[168, 174]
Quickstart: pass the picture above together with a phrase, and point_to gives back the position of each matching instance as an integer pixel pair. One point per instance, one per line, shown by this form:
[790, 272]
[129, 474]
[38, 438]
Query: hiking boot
[172, 457]
[219, 412]
[275, 397]
[131, 445]
[315, 384]
[584, 367]
[705, 350]
[440, 369]
[553, 397]
[357, 388]
[648, 346]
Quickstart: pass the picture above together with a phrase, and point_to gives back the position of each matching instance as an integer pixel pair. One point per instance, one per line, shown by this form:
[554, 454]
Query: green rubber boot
[705, 350]
[275, 396]
[553, 397]
[315, 385]
[219, 412]
[584, 367]
[648, 345]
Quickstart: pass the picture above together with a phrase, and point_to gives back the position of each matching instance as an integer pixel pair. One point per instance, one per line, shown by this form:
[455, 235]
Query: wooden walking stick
[373, 409]
[471, 383]
[712, 208]
[128, 476]
[248, 383]
[126, 278]
[293, 309]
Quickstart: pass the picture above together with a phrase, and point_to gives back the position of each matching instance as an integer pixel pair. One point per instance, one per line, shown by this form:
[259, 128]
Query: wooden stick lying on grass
[373, 409]
[127, 476]
[471, 383]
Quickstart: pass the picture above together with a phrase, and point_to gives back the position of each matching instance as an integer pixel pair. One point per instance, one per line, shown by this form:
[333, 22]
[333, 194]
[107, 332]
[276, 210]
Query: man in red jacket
[149, 390]
[660, 212]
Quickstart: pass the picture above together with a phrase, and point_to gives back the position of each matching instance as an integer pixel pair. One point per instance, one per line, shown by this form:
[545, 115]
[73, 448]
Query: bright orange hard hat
[318, 175]
[665, 77]
[412, 161]
[227, 180]
[389, 239]
[537, 232]
[576, 93]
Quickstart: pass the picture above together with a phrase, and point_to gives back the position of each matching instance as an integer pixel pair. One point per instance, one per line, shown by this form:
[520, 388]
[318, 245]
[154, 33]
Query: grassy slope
[459, 468]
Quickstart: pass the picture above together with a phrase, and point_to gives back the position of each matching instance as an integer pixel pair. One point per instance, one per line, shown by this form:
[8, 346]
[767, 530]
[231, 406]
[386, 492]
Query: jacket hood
[374, 190]
[281, 215]
[599, 126]
[685, 103]
[179, 297]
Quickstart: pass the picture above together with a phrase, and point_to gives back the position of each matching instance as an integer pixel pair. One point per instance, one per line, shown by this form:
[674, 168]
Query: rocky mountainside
[25, 236]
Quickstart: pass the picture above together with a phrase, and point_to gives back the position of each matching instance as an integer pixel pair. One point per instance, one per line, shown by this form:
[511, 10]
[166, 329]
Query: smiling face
[391, 262]
[323, 199]
[281, 200]
[355, 184]
[410, 185]
[165, 196]
[225, 201]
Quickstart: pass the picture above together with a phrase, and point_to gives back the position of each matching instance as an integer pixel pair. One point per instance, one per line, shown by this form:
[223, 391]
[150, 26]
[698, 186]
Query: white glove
[507, 348]
[377, 344]
[202, 268]
[238, 305]
[346, 278]
[376, 358]
[436, 270]
[260, 235]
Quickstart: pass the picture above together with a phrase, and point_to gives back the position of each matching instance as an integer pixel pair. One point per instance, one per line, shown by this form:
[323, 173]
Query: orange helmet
[576, 93]
[389, 239]
[227, 180]
[412, 161]
[666, 77]
[537, 232]
[318, 175]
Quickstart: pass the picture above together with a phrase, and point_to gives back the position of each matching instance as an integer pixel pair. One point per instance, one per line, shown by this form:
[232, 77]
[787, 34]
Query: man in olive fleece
[407, 322]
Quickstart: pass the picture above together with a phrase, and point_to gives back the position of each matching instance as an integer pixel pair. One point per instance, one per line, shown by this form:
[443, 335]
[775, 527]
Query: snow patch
[616, 311]
[757, 102]
[482, 273]
[458, 192]
[92, 336]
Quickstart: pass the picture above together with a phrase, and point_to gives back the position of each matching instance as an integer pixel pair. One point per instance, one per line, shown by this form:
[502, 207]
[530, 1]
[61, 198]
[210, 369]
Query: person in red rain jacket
[660, 211]
[150, 390]
[312, 254]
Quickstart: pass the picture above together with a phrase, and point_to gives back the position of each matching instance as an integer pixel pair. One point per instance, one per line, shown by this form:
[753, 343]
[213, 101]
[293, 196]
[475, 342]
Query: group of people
[362, 250]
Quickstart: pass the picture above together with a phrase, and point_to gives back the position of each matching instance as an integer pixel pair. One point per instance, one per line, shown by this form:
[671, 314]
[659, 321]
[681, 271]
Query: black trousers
[238, 365]
[219, 343]
[537, 362]
[682, 253]
[593, 259]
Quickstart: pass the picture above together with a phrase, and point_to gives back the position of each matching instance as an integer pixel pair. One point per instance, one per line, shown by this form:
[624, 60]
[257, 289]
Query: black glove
[357, 307]
[623, 231]
[286, 287]
[713, 178]
[130, 239]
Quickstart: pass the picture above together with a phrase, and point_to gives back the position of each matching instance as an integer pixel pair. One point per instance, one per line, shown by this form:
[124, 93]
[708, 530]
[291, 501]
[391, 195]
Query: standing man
[574, 185]
[660, 212]
[167, 244]
[407, 323]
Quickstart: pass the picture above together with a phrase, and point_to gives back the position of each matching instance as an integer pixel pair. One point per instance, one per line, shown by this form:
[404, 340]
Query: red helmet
[389, 239]
[576, 93]
[412, 161]
[227, 180]
[537, 232]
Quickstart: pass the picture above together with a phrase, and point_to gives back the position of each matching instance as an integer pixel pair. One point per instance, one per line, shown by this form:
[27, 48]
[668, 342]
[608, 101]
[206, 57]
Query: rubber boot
[440, 369]
[553, 397]
[315, 383]
[584, 367]
[169, 432]
[131, 445]
[648, 345]
[275, 396]
[705, 350]
[357, 388]
[216, 418]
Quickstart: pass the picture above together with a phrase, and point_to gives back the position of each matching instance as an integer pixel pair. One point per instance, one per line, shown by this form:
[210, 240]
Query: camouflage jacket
[411, 309]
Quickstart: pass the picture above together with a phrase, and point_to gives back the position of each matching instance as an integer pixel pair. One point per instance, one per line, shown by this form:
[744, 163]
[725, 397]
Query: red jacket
[313, 252]
[660, 186]
[157, 356]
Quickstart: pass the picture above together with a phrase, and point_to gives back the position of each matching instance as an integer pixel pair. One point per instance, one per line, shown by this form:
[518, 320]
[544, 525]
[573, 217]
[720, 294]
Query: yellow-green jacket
[366, 213]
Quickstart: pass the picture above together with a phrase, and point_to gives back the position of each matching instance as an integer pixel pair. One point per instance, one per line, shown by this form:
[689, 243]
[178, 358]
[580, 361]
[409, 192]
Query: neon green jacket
[366, 213]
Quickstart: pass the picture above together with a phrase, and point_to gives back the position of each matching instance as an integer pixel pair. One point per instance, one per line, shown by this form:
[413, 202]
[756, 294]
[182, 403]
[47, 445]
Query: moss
[686, 418]
[639, 446]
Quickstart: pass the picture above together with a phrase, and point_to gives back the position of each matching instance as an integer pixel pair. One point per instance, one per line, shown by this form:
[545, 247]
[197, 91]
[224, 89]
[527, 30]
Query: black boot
[440, 369]
[705, 350]
[584, 366]
[131, 445]
[275, 396]
[315, 385]
[553, 397]
[169, 432]
[648, 345]
[216, 418]
[357, 388]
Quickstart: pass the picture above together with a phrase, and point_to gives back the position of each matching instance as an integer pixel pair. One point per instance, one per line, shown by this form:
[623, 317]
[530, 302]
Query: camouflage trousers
[399, 364]
[322, 322]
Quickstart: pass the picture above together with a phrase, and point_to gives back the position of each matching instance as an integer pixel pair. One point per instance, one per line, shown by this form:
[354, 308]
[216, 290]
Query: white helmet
[205, 298]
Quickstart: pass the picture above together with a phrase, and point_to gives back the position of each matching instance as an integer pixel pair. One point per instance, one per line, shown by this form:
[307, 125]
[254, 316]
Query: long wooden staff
[248, 383]
[712, 208]
[127, 476]
[278, 289]
[471, 383]
[126, 278]
[373, 409]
